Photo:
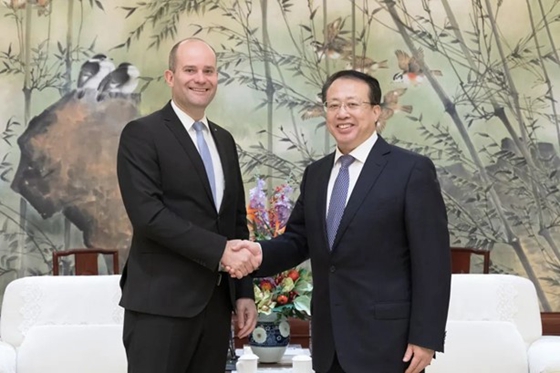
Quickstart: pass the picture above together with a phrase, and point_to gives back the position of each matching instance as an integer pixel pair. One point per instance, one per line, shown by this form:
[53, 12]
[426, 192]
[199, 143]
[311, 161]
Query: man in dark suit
[182, 188]
[371, 218]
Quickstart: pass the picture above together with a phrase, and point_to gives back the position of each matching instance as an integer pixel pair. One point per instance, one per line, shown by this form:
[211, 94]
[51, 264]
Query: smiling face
[194, 79]
[351, 127]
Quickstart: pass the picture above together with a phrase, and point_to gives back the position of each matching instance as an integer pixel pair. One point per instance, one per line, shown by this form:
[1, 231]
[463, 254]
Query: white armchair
[63, 324]
[494, 326]
[72, 324]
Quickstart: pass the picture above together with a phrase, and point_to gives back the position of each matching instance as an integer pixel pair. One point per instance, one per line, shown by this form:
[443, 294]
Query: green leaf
[303, 304]
[303, 286]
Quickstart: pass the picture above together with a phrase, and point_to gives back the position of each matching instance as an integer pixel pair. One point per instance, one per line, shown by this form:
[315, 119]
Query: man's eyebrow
[194, 67]
[345, 98]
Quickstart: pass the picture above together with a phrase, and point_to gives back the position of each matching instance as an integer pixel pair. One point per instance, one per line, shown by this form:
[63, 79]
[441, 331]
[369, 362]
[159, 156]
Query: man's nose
[342, 111]
[199, 76]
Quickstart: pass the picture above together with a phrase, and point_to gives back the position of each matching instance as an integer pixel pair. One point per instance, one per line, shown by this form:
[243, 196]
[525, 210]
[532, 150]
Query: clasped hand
[241, 257]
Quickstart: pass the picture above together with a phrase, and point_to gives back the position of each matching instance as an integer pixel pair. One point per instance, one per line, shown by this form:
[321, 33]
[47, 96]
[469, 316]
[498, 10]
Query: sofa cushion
[481, 347]
[58, 300]
[544, 355]
[72, 348]
[493, 297]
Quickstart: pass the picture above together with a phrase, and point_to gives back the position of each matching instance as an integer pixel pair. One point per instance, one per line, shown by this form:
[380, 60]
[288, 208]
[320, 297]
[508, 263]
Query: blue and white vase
[270, 338]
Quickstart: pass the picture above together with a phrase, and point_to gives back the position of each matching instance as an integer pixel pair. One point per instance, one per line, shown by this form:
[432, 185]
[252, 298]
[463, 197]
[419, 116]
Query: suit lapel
[321, 181]
[175, 125]
[375, 163]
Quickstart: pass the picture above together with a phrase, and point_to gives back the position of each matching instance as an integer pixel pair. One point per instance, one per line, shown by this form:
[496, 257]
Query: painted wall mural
[472, 84]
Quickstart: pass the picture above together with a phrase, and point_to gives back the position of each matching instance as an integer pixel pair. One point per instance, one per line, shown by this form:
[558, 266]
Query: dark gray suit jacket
[178, 236]
[386, 282]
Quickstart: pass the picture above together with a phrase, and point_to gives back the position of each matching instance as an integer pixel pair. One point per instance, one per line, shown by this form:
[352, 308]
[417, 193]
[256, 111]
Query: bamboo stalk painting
[471, 84]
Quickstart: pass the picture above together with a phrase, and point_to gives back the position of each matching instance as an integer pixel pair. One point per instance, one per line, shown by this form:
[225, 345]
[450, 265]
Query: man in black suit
[181, 185]
[371, 218]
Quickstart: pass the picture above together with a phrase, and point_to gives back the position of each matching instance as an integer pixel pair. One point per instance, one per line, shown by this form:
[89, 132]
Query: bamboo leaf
[375, 11]
[130, 12]
[119, 46]
[312, 15]
[13, 245]
[4, 174]
[99, 5]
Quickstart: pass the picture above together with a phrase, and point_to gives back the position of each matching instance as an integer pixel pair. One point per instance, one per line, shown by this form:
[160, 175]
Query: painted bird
[412, 73]
[43, 6]
[333, 50]
[365, 64]
[123, 79]
[93, 71]
[334, 46]
[15, 4]
[390, 106]
[313, 110]
[333, 29]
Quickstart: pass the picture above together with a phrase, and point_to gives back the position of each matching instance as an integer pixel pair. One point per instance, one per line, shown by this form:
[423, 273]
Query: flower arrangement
[289, 292]
[266, 223]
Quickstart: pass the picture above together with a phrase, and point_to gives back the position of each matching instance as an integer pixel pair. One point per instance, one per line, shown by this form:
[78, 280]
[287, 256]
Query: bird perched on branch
[390, 106]
[314, 110]
[365, 64]
[334, 46]
[412, 73]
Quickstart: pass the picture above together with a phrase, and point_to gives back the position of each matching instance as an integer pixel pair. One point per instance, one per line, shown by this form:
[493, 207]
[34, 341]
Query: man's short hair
[173, 52]
[373, 84]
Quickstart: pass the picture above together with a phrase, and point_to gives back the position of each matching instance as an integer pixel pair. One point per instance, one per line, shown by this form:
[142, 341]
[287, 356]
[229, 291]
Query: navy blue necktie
[205, 155]
[338, 198]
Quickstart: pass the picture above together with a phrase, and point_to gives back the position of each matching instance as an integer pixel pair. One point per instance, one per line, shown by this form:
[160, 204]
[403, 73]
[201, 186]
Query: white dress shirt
[360, 155]
[188, 123]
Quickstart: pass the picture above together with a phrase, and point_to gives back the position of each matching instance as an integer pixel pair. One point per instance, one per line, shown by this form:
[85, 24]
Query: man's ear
[168, 75]
[377, 111]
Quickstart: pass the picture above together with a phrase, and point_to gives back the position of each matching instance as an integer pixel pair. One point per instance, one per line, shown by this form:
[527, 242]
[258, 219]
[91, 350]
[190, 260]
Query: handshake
[241, 257]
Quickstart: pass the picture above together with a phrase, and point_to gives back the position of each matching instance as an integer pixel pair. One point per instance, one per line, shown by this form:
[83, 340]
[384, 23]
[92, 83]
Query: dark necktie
[205, 155]
[338, 198]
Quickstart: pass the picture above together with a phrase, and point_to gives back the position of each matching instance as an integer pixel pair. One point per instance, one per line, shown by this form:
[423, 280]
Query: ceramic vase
[270, 338]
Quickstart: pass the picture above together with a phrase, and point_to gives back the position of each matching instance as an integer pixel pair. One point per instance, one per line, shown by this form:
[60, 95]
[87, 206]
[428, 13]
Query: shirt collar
[185, 119]
[361, 152]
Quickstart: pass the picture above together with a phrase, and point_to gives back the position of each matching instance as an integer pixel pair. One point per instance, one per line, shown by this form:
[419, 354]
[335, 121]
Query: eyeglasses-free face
[357, 122]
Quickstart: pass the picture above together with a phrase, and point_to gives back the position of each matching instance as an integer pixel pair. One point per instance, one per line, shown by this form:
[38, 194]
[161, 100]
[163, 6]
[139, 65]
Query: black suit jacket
[386, 282]
[178, 236]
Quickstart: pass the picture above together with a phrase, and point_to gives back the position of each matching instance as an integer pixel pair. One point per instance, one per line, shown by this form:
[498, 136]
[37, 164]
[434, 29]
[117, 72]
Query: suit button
[333, 269]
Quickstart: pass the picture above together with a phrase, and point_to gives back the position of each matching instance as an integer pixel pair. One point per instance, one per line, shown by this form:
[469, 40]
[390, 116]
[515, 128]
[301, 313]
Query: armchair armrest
[7, 358]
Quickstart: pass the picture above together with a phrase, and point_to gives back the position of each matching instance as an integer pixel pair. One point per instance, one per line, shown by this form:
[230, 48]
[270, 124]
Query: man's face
[351, 119]
[195, 79]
